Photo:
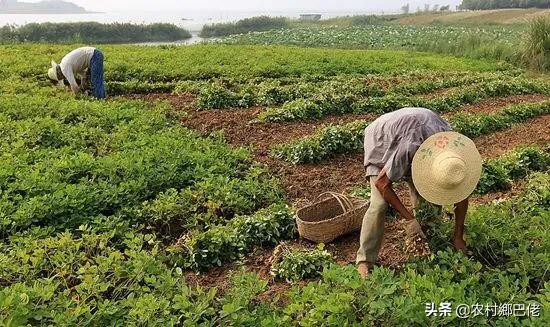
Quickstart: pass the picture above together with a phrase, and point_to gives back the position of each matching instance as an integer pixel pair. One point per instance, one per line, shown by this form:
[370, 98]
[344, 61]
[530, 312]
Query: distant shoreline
[51, 13]
[50, 7]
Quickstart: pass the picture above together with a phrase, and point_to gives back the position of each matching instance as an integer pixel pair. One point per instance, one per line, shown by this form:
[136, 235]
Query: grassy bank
[474, 17]
[91, 32]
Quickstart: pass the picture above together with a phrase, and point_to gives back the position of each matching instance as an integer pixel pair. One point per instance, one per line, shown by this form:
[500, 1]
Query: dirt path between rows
[492, 104]
[535, 131]
[240, 130]
[304, 182]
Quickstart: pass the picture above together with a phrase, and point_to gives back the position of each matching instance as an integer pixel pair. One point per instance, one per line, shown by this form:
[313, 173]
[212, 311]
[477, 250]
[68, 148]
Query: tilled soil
[304, 182]
[239, 128]
[492, 104]
[535, 131]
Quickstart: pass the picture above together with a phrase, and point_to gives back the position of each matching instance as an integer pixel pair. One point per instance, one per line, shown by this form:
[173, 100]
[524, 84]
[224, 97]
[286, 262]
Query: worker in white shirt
[78, 68]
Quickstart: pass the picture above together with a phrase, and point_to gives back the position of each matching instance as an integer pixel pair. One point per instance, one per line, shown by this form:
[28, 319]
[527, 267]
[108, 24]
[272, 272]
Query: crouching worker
[443, 167]
[78, 68]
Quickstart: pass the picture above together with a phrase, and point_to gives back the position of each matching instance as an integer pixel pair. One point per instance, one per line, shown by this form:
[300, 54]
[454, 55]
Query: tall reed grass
[536, 45]
[253, 24]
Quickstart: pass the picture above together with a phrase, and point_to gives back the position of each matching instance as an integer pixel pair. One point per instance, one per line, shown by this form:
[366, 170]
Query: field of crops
[372, 36]
[495, 42]
[172, 203]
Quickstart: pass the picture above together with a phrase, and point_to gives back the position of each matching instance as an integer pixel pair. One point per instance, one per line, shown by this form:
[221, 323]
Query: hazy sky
[254, 5]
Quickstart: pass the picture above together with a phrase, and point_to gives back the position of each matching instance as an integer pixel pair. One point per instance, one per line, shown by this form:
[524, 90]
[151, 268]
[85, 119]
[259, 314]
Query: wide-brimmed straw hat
[446, 168]
[52, 72]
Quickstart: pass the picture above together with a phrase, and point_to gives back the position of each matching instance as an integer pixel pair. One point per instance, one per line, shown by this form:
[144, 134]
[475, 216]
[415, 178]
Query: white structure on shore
[310, 17]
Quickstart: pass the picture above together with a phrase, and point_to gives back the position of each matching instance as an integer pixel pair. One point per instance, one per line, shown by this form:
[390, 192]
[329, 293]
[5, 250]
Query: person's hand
[363, 269]
[413, 229]
[75, 89]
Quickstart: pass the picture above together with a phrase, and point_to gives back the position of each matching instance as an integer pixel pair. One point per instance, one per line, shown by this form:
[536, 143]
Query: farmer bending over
[83, 64]
[415, 145]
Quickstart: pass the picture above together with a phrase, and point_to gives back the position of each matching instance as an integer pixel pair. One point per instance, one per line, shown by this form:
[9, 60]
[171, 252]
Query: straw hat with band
[446, 168]
[52, 72]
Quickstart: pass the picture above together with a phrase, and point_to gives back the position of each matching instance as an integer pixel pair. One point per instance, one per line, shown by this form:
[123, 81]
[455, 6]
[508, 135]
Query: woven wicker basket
[325, 220]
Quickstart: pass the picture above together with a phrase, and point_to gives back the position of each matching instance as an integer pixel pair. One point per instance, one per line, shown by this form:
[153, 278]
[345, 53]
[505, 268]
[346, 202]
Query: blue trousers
[97, 81]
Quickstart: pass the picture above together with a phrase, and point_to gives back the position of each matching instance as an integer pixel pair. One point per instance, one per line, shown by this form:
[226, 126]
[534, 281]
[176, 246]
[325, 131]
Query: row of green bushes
[91, 32]
[207, 62]
[500, 4]
[323, 144]
[260, 23]
[66, 161]
[333, 140]
[324, 104]
[477, 124]
[225, 243]
[119, 277]
[499, 173]
[228, 94]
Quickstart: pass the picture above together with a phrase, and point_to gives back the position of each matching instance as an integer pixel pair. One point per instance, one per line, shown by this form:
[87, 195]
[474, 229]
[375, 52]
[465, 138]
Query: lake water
[190, 20]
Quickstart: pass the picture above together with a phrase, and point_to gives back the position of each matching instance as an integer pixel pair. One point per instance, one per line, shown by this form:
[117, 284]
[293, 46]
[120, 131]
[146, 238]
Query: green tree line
[90, 32]
[497, 4]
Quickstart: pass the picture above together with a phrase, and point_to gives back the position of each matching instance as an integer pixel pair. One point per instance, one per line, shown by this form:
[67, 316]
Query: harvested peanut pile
[417, 247]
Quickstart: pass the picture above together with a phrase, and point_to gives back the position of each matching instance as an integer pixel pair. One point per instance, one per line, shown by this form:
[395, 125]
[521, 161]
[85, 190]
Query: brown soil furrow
[517, 188]
[238, 126]
[497, 103]
[307, 181]
[239, 130]
[304, 182]
[535, 131]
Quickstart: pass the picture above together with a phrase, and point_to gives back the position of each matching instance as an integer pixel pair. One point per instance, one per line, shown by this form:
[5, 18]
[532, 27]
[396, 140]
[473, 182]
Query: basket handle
[343, 200]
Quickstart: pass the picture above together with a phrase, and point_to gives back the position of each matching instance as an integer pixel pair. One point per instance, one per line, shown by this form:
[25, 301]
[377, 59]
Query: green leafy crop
[294, 265]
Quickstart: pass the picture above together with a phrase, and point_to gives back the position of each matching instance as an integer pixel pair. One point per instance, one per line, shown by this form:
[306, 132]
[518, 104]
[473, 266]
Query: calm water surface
[190, 20]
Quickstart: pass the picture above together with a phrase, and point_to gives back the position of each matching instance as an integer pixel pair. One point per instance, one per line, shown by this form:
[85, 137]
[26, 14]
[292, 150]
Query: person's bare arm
[461, 209]
[412, 227]
[69, 75]
[84, 82]
[384, 185]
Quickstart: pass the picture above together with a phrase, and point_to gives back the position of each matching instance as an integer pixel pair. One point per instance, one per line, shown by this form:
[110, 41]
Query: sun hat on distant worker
[446, 168]
[52, 72]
